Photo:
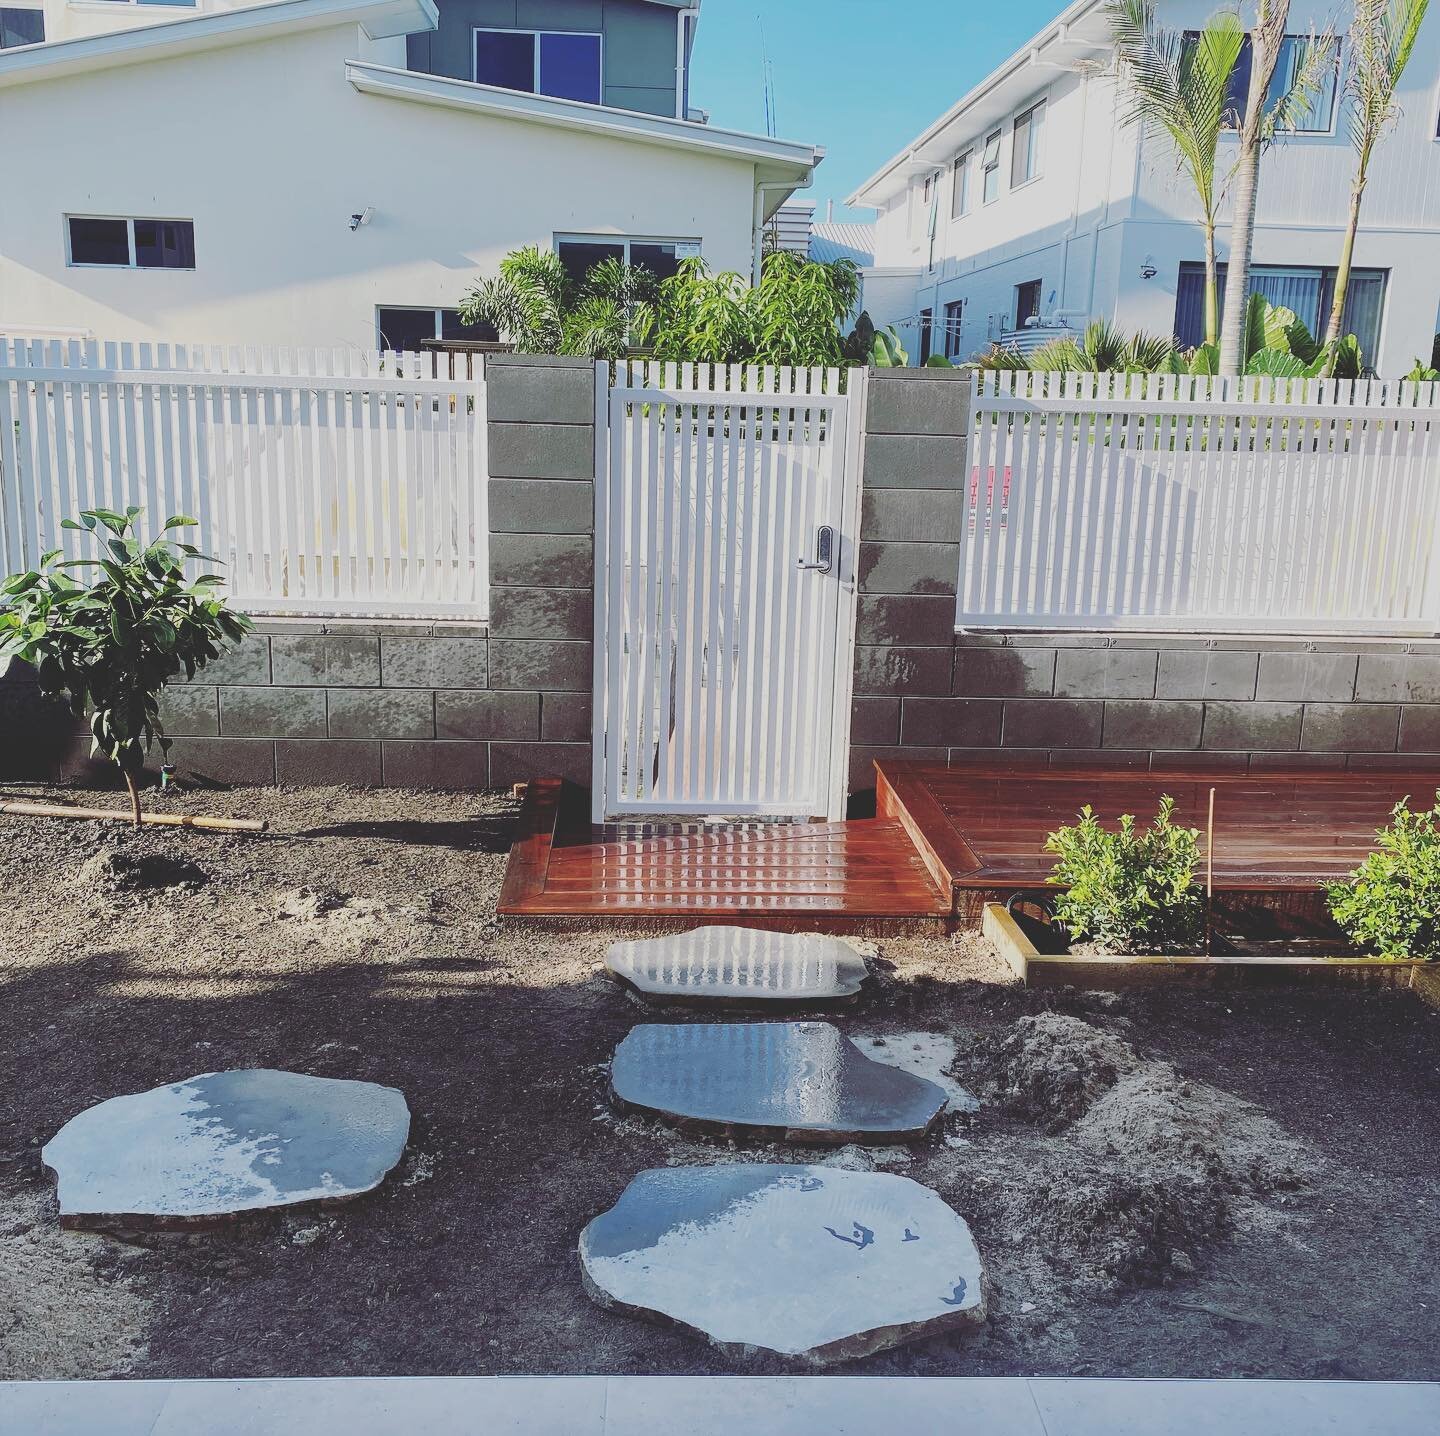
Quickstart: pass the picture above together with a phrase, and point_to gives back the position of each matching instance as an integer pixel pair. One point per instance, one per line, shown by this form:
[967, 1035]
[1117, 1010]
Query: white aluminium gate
[727, 509]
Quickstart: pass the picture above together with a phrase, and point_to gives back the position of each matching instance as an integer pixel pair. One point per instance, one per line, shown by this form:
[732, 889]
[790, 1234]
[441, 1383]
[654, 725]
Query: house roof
[1078, 32]
[377, 18]
[840, 239]
[778, 160]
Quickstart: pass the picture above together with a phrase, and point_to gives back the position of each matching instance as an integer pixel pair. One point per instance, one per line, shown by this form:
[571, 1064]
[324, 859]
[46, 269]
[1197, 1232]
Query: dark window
[927, 323]
[570, 67]
[660, 259]
[1294, 50]
[1308, 291]
[164, 244]
[1027, 302]
[403, 330]
[505, 58]
[579, 256]
[452, 328]
[21, 27]
[100, 241]
[954, 317]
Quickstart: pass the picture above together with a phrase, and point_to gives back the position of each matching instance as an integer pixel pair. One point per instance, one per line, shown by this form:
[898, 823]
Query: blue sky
[860, 77]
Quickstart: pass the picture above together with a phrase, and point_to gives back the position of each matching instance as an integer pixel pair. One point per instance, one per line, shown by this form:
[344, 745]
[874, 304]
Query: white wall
[1105, 202]
[269, 150]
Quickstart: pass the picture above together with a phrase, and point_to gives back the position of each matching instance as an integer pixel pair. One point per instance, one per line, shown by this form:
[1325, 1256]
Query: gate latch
[824, 550]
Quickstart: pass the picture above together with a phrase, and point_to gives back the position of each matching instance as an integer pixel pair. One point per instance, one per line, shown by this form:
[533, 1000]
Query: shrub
[1130, 890]
[1391, 905]
[109, 647]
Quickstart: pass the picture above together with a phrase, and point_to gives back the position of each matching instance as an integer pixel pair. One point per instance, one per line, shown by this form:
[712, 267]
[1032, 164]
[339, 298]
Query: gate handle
[824, 550]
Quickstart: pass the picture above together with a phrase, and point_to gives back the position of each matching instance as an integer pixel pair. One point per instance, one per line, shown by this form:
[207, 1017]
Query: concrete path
[717, 1406]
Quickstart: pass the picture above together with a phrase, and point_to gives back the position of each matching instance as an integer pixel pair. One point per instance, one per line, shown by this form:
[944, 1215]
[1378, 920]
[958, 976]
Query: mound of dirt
[1138, 1168]
[128, 872]
[1052, 1067]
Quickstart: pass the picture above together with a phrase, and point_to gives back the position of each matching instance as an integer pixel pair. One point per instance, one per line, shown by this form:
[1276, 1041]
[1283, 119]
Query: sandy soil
[1179, 1181]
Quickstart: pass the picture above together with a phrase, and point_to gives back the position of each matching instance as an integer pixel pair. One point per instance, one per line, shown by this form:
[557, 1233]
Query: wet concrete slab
[222, 1143]
[797, 1081]
[742, 967]
[803, 1262]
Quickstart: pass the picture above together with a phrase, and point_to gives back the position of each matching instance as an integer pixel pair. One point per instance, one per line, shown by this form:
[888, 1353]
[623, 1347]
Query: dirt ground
[1180, 1181]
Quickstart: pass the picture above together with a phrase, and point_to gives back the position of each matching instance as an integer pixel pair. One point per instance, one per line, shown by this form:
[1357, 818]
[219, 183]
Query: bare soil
[1179, 1181]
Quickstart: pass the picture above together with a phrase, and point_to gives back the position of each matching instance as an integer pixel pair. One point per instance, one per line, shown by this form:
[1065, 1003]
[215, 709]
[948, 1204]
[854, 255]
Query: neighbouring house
[337, 172]
[1028, 203]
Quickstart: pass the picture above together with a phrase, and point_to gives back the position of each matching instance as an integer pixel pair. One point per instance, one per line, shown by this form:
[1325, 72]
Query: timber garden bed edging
[1034, 968]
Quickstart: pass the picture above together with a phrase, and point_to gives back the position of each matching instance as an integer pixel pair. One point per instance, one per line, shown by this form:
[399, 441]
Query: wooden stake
[1210, 878]
[158, 820]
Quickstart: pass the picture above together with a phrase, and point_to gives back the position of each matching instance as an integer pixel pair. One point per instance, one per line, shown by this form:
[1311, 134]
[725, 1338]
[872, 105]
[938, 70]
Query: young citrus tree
[109, 647]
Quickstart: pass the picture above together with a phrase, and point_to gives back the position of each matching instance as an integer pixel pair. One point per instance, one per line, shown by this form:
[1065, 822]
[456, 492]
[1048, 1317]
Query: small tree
[1391, 905]
[1129, 890]
[110, 647]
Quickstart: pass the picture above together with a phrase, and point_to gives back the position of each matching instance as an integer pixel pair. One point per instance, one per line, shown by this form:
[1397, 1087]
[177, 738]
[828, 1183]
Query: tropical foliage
[1382, 40]
[1181, 84]
[1132, 889]
[1391, 905]
[534, 304]
[1275, 342]
[109, 647]
[792, 316]
[880, 348]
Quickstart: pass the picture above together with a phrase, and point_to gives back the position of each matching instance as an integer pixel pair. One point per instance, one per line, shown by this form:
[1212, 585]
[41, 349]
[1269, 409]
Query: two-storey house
[338, 172]
[1030, 201]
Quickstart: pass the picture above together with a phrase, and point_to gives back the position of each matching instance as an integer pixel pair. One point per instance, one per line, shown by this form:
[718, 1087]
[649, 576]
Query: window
[565, 64]
[960, 190]
[1294, 51]
[21, 27]
[1308, 291]
[178, 4]
[405, 330]
[1027, 303]
[927, 326]
[990, 165]
[1025, 148]
[954, 317]
[580, 253]
[132, 243]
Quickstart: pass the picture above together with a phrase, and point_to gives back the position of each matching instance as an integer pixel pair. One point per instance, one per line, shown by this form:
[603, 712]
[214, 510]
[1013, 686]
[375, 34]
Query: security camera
[364, 217]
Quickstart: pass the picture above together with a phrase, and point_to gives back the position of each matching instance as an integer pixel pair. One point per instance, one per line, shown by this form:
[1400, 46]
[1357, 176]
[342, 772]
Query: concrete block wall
[1027, 699]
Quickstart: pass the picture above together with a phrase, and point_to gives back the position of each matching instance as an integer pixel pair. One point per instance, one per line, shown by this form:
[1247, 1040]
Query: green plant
[938, 361]
[888, 352]
[110, 647]
[1422, 373]
[1182, 86]
[1131, 889]
[1382, 40]
[792, 316]
[536, 306]
[1391, 905]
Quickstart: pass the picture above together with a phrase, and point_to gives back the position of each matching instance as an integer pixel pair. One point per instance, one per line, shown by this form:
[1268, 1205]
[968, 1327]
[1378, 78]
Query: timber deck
[944, 841]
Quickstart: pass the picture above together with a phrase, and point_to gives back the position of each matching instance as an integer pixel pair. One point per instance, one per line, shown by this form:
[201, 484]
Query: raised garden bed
[1038, 956]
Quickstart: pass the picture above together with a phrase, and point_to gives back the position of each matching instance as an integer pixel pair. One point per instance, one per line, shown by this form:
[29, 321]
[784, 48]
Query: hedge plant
[1391, 904]
[1132, 889]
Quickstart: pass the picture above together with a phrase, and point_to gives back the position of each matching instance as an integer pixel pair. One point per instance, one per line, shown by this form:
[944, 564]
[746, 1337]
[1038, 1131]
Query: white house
[328, 172]
[1028, 198]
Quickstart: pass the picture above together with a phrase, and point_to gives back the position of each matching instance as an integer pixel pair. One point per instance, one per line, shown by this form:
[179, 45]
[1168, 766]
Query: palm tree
[1260, 123]
[1382, 38]
[1181, 86]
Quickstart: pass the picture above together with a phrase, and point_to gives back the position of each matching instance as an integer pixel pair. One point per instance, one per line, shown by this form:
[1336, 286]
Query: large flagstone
[741, 967]
[812, 1263]
[800, 1081]
[226, 1142]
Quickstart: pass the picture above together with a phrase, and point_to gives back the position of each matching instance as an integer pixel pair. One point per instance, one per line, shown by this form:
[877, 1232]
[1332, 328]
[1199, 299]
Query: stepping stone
[795, 1261]
[226, 1142]
[741, 967]
[794, 1081]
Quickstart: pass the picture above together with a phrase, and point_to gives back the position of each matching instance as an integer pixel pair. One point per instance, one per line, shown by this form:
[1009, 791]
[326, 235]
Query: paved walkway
[717, 1406]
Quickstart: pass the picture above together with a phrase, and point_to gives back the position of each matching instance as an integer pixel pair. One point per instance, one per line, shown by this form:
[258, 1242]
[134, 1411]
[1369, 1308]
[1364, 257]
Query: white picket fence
[1165, 502]
[722, 643]
[325, 483]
